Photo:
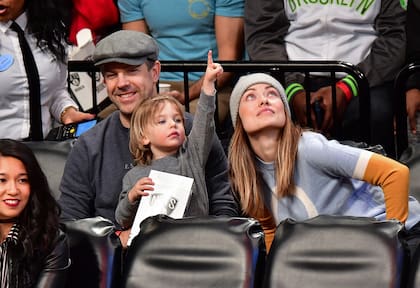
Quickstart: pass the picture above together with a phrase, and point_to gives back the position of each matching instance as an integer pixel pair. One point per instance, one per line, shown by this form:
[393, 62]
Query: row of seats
[325, 251]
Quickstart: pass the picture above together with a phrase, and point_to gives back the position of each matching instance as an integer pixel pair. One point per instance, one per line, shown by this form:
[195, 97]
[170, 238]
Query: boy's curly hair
[141, 119]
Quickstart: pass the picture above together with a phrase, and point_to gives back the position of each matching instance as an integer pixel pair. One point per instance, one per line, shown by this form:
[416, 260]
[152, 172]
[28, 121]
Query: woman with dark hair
[33, 250]
[48, 21]
[43, 25]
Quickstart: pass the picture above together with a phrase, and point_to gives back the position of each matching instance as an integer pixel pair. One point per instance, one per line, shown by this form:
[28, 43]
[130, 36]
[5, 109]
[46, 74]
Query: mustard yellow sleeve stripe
[393, 178]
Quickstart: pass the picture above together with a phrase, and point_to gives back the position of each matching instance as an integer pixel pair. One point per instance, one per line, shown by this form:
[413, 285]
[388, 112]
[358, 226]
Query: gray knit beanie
[248, 80]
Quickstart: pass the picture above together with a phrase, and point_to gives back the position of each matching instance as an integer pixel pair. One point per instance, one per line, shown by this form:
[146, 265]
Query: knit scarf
[5, 262]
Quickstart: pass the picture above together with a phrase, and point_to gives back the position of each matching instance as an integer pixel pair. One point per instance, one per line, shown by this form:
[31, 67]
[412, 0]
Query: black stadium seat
[52, 156]
[196, 252]
[414, 272]
[335, 251]
[95, 253]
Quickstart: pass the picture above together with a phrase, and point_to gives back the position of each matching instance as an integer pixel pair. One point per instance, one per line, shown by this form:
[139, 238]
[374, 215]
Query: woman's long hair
[49, 21]
[243, 173]
[141, 119]
[39, 220]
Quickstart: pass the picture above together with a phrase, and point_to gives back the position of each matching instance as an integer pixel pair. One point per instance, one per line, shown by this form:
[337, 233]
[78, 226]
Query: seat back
[95, 253]
[196, 252]
[52, 157]
[335, 251]
[414, 271]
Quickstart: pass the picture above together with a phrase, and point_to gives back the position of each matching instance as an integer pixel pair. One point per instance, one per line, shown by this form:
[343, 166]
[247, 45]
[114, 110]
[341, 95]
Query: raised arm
[203, 130]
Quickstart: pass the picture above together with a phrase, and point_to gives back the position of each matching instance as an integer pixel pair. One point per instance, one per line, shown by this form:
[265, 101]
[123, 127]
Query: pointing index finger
[210, 58]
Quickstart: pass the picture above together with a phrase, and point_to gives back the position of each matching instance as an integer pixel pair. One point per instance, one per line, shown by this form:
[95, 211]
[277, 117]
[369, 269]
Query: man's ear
[156, 71]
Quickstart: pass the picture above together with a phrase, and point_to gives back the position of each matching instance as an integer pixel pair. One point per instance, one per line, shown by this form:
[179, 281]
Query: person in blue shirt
[185, 31]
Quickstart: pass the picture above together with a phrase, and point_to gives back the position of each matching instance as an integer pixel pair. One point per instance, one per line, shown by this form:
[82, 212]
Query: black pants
[411, 239]
[381, 116]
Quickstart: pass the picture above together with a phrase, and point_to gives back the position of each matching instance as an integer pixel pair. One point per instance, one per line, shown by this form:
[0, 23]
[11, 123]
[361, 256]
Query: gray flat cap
[126, 46]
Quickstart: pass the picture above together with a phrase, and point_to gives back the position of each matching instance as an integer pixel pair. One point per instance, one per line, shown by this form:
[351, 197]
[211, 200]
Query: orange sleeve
[269, 226]
[393, 178]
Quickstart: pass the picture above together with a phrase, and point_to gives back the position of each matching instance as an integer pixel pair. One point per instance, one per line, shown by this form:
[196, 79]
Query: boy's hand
[124, 235]
[212, 72]
[140, 189]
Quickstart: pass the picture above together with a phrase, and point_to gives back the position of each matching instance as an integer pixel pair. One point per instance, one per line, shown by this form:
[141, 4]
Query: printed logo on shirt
[361, 6]
[6, 61]
[198, 9]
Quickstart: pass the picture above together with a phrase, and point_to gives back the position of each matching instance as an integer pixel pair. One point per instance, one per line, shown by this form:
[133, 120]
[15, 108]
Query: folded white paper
[170, 197]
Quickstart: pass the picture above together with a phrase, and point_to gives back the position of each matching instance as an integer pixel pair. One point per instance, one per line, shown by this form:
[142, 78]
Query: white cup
[164, 88]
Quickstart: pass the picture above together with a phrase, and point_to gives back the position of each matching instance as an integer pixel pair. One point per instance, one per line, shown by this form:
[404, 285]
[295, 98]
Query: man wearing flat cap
[94, 170]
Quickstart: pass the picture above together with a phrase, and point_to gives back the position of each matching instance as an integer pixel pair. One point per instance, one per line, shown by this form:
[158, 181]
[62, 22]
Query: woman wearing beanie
[279, 171]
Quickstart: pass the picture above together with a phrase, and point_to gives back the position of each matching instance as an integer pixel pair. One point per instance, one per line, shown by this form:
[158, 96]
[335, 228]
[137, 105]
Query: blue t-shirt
[184, 30]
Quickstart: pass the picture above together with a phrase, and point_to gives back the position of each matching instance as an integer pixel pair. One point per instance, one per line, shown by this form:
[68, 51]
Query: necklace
[10, 220]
